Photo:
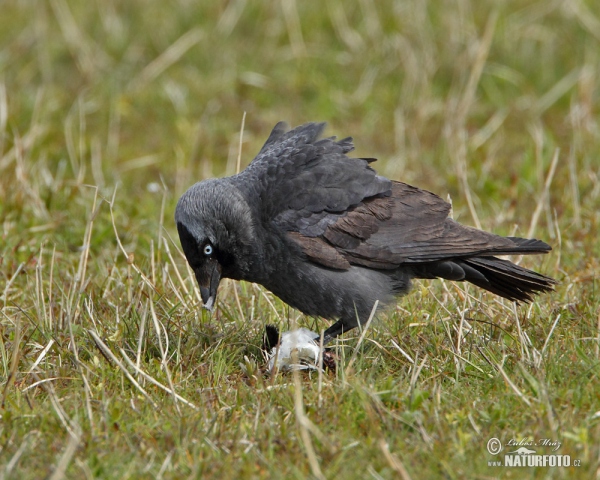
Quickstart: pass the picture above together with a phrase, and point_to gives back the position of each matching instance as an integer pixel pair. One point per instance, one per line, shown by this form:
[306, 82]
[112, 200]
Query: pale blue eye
[208, 249]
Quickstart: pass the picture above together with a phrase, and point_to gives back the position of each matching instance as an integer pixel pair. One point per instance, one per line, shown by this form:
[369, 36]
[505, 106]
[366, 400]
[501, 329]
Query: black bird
[329, 236]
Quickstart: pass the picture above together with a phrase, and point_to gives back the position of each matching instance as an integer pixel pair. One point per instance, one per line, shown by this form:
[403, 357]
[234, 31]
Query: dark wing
[340, 212]
[411, 226]
[303, 183]
[418, 230]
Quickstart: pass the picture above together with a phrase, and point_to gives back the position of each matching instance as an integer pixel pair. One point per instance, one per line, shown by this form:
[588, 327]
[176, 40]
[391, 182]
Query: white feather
[301, 342]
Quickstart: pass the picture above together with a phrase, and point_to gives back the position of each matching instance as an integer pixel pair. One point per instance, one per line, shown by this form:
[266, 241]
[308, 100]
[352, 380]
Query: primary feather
[329, 236]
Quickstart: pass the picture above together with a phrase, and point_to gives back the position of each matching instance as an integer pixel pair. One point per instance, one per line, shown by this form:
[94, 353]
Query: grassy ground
[109, 110]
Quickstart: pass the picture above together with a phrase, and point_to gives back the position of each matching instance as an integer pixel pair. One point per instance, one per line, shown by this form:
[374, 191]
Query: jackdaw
[329, 236]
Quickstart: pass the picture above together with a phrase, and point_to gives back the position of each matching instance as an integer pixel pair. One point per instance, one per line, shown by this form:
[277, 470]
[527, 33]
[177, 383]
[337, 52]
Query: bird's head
[217, 234]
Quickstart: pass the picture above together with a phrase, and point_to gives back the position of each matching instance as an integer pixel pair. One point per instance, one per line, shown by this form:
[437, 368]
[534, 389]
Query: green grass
[110, 110]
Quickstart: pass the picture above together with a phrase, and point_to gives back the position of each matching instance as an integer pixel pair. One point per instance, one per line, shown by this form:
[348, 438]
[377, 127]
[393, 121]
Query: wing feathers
[320, 251]
[340, 212]
[410, 226]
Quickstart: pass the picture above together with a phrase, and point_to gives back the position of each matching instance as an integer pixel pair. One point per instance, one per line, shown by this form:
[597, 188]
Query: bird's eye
[208, 249]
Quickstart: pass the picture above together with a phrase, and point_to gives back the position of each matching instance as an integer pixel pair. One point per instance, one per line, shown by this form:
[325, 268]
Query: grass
[109, 110]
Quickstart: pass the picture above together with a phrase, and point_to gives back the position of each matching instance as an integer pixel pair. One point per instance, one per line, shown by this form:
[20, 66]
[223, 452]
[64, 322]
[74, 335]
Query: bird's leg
[337, 329]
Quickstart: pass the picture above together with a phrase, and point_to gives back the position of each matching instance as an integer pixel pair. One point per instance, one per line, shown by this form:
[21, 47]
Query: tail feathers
[506, 279]
[493, 274]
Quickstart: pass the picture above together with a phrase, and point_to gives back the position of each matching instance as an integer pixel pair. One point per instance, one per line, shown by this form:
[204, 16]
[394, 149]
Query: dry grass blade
[88, 58]
[231, 16]
[139, 371]
[506, 378]
[574, 189]
[3, 116]
[362, 336]
[170, 56]
[482, 54]
[85, 252]
[40, 357]
[141, 336]
[406, 355]
[394, 461]
[10, 282]
[178, 294]
[163, 352]
[544, 196]
[455, 127]
[87, 389]
[14, 359]
[320, 371]
[27, 442]
[415, 372]
[491, 127]
[550, 335]
[67, 455]
[586, 16]
[466, 360]
[290, 12]
[128, 256]
[70, 425]
[558, 90]
[342, 28]
[109, 354]
[239, 156]
[303, 424]
[195, 291]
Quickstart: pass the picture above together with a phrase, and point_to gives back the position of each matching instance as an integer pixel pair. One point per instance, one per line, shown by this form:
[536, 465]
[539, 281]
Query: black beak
[208, 280]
